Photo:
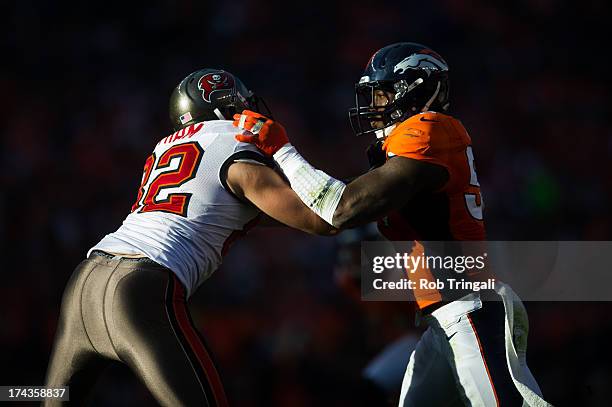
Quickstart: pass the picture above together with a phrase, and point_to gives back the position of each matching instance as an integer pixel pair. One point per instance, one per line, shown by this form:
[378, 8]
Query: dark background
[84, 91]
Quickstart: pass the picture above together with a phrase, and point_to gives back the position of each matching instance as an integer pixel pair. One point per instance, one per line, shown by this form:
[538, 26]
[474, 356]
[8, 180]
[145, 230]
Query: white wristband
[319, 191]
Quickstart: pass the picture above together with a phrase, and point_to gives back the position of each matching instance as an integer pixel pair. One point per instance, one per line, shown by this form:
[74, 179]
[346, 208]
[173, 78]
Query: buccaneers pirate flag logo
[213, 82]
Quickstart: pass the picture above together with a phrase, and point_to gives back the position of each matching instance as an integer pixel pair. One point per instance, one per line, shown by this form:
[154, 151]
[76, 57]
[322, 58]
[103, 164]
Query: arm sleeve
[319, 192]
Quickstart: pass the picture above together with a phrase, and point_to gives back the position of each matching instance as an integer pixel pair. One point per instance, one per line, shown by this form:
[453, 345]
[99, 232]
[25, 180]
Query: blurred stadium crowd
[84, 100]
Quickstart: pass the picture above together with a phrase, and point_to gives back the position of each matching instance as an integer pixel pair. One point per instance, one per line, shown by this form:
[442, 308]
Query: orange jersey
[455, 211]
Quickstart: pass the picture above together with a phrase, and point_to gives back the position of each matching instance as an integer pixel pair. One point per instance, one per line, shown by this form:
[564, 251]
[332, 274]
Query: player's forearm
[341, 205]
[313, 225]
[293, 213]
[319, 191]
[264, 188]
[321, 228]
[358, 206]
[383, 189]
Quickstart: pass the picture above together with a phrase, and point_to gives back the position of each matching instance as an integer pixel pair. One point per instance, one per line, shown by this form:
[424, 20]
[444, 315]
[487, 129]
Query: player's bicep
[266, 189]
[388, 187]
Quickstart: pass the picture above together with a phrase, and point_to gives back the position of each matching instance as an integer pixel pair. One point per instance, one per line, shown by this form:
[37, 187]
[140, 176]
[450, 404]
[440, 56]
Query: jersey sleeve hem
[244, 155]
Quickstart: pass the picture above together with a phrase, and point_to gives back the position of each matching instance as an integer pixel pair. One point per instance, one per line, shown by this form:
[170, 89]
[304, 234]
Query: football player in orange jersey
[424, 188]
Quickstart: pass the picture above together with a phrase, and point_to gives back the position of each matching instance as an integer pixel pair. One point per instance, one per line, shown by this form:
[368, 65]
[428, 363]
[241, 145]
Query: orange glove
[268, 136]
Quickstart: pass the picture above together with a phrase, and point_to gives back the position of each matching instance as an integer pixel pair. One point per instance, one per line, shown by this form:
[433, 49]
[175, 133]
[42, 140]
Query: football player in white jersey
[201, 188]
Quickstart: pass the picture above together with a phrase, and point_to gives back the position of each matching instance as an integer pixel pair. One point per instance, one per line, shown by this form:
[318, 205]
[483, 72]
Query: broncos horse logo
[424, 59]
[213, 82]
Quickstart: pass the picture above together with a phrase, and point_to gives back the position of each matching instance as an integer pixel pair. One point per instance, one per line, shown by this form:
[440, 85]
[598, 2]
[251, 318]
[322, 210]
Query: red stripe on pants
[180, 311]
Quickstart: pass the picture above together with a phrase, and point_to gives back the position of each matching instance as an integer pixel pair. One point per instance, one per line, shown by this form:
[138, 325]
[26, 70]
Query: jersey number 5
[473, 200]
[189, 156]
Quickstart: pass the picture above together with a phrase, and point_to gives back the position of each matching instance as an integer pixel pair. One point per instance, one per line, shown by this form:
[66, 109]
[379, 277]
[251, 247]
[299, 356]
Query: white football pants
[473, 354]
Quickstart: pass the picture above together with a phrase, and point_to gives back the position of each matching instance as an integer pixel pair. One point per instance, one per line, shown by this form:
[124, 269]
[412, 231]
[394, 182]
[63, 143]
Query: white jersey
[185, 216]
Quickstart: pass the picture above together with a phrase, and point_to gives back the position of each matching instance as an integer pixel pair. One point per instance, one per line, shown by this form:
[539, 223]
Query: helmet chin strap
[431, 99]
[218, 113]
[385, 131]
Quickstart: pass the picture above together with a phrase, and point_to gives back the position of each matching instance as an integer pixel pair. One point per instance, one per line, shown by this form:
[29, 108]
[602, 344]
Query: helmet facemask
[368, 117]
[237, 99]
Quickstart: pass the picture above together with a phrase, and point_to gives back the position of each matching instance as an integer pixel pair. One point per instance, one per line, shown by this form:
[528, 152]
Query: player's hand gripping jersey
[185, 216]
